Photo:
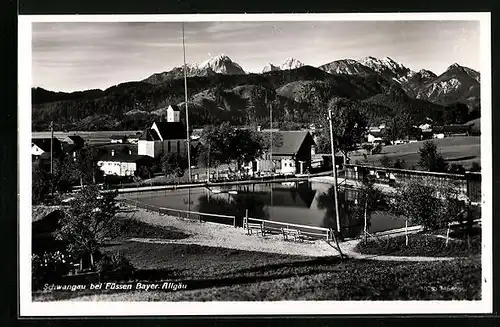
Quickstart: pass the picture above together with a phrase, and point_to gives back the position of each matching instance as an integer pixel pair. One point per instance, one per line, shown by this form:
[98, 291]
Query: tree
[432, 206]
[229, 144]
[88, 222]
[385, 161]
[370, 197]
[290, 126]
[86, 160]
[431, 159]
[399, 127]
[174, 164]
[40, 186]
[348, 124]
[368, 147]
[65, 174]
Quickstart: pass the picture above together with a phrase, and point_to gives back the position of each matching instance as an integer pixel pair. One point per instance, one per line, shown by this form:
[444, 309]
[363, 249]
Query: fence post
[234, 221]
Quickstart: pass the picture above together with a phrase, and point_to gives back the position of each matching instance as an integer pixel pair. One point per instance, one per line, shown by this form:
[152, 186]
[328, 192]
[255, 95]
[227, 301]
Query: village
[126, 156]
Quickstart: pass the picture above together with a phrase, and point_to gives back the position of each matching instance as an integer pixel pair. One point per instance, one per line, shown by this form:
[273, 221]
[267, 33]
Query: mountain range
[220, 90]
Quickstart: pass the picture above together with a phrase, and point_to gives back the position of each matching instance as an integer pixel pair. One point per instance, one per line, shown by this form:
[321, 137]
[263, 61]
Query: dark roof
[171, 130]
[118, 137]
[291, 141]
[175, 107]
[44, 144]
[149, 135]
[451, 129]
[70, 147]
[123, 157]
[75, 139]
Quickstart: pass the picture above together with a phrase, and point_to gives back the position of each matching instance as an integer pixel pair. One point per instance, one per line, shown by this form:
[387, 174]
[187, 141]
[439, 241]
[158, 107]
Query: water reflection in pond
[303, 203]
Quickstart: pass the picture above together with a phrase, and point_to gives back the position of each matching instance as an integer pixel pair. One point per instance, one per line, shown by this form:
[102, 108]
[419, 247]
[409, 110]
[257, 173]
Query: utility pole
[334, 167]
[186, 102]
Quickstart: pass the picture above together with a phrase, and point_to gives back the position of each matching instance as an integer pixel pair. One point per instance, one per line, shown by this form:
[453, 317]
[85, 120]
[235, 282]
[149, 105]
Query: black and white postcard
[255, 164]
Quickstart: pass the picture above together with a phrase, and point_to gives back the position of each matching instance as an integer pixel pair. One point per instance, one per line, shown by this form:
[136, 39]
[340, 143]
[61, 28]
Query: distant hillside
[220, 90]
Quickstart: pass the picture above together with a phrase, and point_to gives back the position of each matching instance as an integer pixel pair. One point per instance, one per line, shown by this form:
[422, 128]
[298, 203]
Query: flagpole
[51, 148]
[334, 167]
[186, 102]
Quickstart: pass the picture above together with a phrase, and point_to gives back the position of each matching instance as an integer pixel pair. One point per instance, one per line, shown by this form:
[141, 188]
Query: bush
[456, 169]
[431, 206]
[377, 149]
[368, 147]
[421, 245]
[400, 164]
[475, 167]
[385, 161]
[115, 264]
[50, 266]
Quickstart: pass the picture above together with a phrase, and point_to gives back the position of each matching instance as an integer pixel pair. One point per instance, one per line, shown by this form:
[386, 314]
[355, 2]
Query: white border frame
[29, 308]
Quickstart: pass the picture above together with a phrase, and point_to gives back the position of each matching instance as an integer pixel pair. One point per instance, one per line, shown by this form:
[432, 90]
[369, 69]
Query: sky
[74, 56]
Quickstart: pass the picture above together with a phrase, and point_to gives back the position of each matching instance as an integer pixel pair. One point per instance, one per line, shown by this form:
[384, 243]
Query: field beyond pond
[463, 150]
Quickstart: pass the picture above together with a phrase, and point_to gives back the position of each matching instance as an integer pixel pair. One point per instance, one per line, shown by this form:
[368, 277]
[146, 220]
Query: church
[164, 136]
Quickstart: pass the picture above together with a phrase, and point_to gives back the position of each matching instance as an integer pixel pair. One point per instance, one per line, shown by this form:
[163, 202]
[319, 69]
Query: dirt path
[219, 235]
[225, 236]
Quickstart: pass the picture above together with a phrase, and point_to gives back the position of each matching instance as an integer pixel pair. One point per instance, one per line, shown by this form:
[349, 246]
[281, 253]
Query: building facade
[289, 156]
[162, 138]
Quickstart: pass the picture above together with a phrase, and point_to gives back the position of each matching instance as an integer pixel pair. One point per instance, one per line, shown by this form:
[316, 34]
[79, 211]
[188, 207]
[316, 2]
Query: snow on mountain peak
[270, 68]
[291, 63]
[426, 73]
[222, 64]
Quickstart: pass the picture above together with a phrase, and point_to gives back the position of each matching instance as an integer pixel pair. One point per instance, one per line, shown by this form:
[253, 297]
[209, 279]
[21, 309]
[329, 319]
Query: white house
[120, 164]
[162, 138]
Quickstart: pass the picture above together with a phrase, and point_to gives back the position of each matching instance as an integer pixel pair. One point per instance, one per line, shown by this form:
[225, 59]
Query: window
[168, 146]
[178, 147]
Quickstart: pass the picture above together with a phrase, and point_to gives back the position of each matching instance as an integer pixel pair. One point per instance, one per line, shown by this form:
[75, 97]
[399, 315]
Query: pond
[305, 203]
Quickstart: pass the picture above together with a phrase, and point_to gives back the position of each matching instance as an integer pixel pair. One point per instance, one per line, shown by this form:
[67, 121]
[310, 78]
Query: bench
[295, 233]
[251, 226]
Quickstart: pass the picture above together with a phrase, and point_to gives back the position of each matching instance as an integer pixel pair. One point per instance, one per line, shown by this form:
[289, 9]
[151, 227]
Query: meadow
[463, 150]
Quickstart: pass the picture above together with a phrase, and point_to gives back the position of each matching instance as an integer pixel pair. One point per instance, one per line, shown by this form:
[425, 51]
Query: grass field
[422, 245]
[232, 275]
[462, 150]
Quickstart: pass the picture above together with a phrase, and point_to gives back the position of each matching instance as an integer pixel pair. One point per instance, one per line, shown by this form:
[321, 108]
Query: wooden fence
[194, 215]
[469, 183]
[269, 225]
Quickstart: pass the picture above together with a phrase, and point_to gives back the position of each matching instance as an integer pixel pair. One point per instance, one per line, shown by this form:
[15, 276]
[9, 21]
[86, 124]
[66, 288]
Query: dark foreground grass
[129, 228]
[422, 245]
[215, 274]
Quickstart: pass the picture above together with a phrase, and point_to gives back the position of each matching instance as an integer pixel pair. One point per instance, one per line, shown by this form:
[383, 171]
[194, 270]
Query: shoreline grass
[420, 244]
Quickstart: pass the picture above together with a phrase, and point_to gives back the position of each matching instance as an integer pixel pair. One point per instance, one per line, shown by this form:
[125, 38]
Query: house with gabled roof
[162, 138]
[39, 146]
[290, 154]
[75, 140]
